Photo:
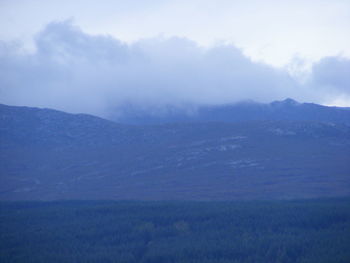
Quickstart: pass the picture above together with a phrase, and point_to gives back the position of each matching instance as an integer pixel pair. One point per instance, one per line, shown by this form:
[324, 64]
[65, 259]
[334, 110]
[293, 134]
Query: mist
[81, 73]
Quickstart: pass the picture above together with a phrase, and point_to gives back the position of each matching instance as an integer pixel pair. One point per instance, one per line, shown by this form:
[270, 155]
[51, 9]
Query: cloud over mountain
[333, 73]
[77, 72]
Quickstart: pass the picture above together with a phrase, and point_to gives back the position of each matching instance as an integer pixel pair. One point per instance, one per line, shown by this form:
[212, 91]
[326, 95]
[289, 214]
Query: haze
[95, 57]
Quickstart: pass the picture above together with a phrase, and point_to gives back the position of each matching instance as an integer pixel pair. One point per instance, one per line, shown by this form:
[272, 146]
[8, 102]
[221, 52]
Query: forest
[305, 231]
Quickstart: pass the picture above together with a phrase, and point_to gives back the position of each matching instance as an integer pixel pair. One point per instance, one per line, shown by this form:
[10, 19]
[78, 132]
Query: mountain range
[281, 150]
[287, 109]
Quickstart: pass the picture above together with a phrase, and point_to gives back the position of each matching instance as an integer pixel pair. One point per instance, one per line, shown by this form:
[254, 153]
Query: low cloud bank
[77, 72]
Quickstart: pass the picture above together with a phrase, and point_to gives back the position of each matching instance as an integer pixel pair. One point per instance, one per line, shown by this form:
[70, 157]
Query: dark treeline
[151, 232]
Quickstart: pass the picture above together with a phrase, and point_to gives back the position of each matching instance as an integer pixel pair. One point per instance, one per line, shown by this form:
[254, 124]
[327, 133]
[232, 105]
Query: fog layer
[77, 72]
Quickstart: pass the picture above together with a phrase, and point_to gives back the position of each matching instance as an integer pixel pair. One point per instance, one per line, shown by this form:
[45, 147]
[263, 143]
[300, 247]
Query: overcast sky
[94, 56]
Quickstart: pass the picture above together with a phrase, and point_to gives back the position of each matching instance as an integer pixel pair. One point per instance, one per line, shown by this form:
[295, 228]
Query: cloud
[77, 72]
[330, 80]
[332, 73]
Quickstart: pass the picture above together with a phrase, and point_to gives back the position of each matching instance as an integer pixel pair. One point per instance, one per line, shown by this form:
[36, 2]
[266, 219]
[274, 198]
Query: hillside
[287, 109]
[49, 155]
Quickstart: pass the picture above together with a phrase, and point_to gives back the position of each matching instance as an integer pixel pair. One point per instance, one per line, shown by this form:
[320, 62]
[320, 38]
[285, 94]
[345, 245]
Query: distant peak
[288, 102]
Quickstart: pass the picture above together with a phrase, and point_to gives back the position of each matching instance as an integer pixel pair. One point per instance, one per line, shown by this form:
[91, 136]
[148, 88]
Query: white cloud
[78, 72]
[273, 31]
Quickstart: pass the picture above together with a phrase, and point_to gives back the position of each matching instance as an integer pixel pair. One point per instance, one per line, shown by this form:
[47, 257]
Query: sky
[97, 56]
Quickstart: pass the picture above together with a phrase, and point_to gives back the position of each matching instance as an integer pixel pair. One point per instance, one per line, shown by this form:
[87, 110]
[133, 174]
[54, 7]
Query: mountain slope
[47, 155]
[279, 110]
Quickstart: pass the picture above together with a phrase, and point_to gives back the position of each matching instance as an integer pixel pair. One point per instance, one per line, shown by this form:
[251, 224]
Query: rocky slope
[48, 155]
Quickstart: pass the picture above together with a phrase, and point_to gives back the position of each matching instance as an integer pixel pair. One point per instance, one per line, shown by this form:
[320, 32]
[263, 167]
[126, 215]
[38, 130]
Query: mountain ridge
[51, 155]
[287, 109]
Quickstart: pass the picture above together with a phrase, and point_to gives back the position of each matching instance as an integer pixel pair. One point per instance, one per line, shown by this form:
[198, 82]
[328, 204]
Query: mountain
[287, 109]
[49, 155]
